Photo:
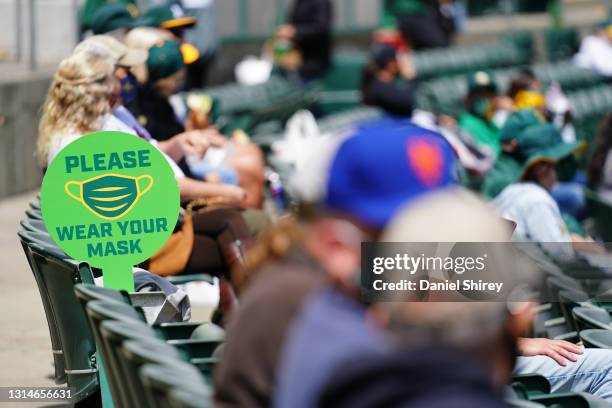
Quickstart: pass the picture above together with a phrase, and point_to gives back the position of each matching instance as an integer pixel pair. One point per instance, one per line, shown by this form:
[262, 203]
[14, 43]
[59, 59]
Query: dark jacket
[430, 377]
[312, 20]
[394, 99]
[154, 112]
[245, 376]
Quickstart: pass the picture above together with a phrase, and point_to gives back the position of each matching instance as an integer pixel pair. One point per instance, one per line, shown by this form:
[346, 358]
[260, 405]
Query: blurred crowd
[297, 331]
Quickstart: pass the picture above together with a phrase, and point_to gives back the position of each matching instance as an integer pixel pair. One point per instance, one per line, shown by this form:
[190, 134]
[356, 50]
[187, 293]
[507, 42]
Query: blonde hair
[78, 99]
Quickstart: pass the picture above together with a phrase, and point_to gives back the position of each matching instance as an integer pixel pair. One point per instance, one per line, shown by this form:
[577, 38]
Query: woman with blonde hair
[80, 98]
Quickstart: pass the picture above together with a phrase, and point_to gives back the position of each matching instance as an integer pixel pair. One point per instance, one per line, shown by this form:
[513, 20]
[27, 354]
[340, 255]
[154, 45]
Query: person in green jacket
[485, 110]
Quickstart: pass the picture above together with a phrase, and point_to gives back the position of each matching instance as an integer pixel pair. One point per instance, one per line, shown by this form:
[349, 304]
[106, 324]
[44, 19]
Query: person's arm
[559, 350]
[191, 142]
[193, 189]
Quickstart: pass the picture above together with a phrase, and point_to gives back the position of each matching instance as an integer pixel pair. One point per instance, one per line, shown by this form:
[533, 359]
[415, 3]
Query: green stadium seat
[561, 43]
[181, 279]
[58, 276]
[41, 237]
[218, 351]
[568, 300]
[34, 225]
[602, 214]
[522, 40]
[592, 318]
[56, 346]
[208, 331]
[34, 214]
[192, 397]
[161, 379]
[134, 354]
[531, 384]
[517, 403]
[112, 335]
[345, 72]
[570, 400]
[99, 311]
[206, 366]
[35, 204]
[596, 338]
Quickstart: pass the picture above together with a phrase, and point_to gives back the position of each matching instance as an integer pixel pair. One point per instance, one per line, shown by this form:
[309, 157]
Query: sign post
[110, 199]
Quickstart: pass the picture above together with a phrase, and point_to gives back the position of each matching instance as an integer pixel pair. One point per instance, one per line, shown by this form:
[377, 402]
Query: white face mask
[499, 117]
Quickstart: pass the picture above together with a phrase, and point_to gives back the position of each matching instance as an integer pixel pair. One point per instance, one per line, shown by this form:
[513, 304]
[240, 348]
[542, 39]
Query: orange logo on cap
[426, 160]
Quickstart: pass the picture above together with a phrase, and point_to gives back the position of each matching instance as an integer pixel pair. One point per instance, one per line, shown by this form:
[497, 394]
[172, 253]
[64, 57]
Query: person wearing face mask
[387, 81]
[485, 111]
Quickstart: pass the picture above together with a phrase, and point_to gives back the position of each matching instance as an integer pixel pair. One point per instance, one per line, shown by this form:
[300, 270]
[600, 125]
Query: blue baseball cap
[380, 167]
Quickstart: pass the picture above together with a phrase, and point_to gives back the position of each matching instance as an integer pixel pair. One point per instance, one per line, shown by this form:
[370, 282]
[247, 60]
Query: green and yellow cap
[543, 143]
[170, 15]
[165, 59]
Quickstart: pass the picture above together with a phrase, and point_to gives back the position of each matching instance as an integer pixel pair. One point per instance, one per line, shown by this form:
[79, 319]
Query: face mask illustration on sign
[109, 196]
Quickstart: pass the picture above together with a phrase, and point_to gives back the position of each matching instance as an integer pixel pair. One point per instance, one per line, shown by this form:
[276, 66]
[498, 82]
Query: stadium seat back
[160, 379]
[602, 213]
[56, 345]
[533, 384]
[596, 338]
[137, 353]
[59, 275]
[190, 397]
[34, 214]
[591, 318]
[208, 331]
[561, 43]
[568, 300]
[206, 366]
[30, 224]
[113, 334]
[196, 348]
[88, 292]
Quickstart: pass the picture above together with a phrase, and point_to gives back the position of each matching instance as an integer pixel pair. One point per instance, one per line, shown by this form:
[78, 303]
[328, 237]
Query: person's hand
[559, 350]
[405, 65]
[192, 143]
[198, 141]
[234, 195]
[285, 31]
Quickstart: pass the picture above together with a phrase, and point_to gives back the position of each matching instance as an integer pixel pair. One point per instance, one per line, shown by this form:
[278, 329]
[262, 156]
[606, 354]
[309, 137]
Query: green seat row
[72, 341]
[346, 70]
[446, 95]
[127, 344]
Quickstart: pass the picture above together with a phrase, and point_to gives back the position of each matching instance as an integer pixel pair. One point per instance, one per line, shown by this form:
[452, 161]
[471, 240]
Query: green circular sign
[111, 199]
